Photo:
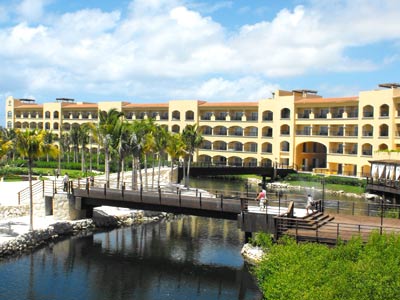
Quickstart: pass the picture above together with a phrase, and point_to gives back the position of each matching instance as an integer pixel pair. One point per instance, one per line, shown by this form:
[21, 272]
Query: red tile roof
[230, 104]
[325, 100]
[146, 105]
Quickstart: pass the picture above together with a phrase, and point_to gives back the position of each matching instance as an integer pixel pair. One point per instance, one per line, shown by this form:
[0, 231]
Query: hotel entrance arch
[310, 155]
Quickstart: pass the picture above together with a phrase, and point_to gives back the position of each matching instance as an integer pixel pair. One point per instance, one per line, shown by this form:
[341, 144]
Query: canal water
[185, 258]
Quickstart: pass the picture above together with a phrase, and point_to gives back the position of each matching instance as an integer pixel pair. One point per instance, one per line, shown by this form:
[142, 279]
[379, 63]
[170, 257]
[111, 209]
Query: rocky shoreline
[252, 254]
[29, 241]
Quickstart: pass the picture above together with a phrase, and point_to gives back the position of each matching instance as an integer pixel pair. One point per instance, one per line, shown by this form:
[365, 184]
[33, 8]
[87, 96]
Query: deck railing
[330, 232]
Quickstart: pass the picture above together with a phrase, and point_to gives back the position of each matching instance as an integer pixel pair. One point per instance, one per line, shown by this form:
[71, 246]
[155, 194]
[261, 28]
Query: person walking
[262, 197]
[65, 182]
[310, 203]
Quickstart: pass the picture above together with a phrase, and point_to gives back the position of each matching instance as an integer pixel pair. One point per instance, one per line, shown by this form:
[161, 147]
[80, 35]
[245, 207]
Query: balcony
[303, 132]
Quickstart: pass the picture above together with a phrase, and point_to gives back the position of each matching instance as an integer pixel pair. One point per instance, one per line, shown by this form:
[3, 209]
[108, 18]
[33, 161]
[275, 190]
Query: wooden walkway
[318, 227]
[329, 229]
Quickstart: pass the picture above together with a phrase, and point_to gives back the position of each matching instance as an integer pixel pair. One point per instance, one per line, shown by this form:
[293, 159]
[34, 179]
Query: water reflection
[189, 258]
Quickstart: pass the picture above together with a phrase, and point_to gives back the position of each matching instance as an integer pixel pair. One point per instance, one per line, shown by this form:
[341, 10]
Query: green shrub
[354, 270]
[262, 240]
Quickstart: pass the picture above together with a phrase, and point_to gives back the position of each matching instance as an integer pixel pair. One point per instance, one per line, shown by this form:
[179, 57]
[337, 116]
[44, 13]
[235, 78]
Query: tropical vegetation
[118, 144]
[111, 145]
[355, 270]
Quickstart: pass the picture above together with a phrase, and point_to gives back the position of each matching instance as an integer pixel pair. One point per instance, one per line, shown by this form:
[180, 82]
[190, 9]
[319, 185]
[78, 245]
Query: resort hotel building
[298, 128]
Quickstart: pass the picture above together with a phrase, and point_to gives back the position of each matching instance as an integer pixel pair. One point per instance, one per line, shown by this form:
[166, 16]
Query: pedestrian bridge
[82, 197]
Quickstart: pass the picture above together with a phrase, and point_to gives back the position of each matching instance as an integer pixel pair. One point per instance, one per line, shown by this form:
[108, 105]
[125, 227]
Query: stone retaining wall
[13, 211]
[31, 240]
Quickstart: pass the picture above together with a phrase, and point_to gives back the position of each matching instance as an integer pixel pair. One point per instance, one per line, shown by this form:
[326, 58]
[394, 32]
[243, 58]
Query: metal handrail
[24, 194]
[315, 230]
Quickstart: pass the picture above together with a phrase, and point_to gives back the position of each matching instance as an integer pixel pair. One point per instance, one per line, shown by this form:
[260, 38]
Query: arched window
[9, 124]
[206, 130]
[285, 146]
[383, 130]
[268, 115]
[285, 130]
[176, 115]
[189, 116]
[219, 160]
[235, 161]
[175, 128]
[55, 115]
[47, 115]
[368, 111]
[219, 145]
[384, 110]
[285, 113]
[383, 147]
[367, 130]
[206, 145]
[9, 114]
[267, 131]
[266, 148]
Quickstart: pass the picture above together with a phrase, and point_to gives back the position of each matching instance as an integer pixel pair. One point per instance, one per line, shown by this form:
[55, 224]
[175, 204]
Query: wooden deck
[329, 229]
[317, 227]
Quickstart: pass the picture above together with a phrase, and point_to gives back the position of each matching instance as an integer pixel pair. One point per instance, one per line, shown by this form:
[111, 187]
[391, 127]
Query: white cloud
[3, 14]
[32, 10]
[207, 8]
[166, 41]
[220, 89]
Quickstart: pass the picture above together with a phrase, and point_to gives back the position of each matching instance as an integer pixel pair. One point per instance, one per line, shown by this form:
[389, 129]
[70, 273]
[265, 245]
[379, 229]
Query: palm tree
[148, 144]
[93, 138]
[192, 139]
[9, 135]
[83, 138]
[48, 143]
[161, 139]
[5, 146]
[123, 148]
[29, 144]
[65, 144]
[175, 149]
[108, 122]
[74, 137]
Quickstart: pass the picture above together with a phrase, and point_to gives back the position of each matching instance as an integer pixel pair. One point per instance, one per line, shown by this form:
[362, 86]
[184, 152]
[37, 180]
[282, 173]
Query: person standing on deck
[65, 182]
[310, 203]
[262, 197]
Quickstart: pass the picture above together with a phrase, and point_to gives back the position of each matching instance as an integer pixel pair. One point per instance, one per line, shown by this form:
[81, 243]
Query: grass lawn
[328, 186]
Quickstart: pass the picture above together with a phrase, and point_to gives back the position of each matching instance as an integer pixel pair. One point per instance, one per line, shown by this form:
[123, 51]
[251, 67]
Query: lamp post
[90, 154]
[323, 196]
[382, 199]
[279, 200]
[247, 185]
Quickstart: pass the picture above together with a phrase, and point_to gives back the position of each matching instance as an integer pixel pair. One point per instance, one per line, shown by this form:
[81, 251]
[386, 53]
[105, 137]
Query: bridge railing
[159, 199]
[330, 232]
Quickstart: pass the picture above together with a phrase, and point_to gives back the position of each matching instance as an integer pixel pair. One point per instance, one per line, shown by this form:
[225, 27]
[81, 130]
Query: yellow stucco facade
[294, 128]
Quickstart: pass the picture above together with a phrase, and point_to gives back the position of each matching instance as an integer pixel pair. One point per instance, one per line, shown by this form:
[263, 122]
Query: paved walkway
[12, 227]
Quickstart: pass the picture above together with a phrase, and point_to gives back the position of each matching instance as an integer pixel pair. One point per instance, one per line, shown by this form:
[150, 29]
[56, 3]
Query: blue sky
[156, 50]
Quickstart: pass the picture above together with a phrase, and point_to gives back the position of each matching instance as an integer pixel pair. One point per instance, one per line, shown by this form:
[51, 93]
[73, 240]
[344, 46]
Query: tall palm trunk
[82, 159]
[134, 173]
[140, 173]
[172, 171]
[30, 195]
[98, 157]
[145, 173]
[153, 173]
[122, 172]
[188, 172]
[159, 173]
[107, 166]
